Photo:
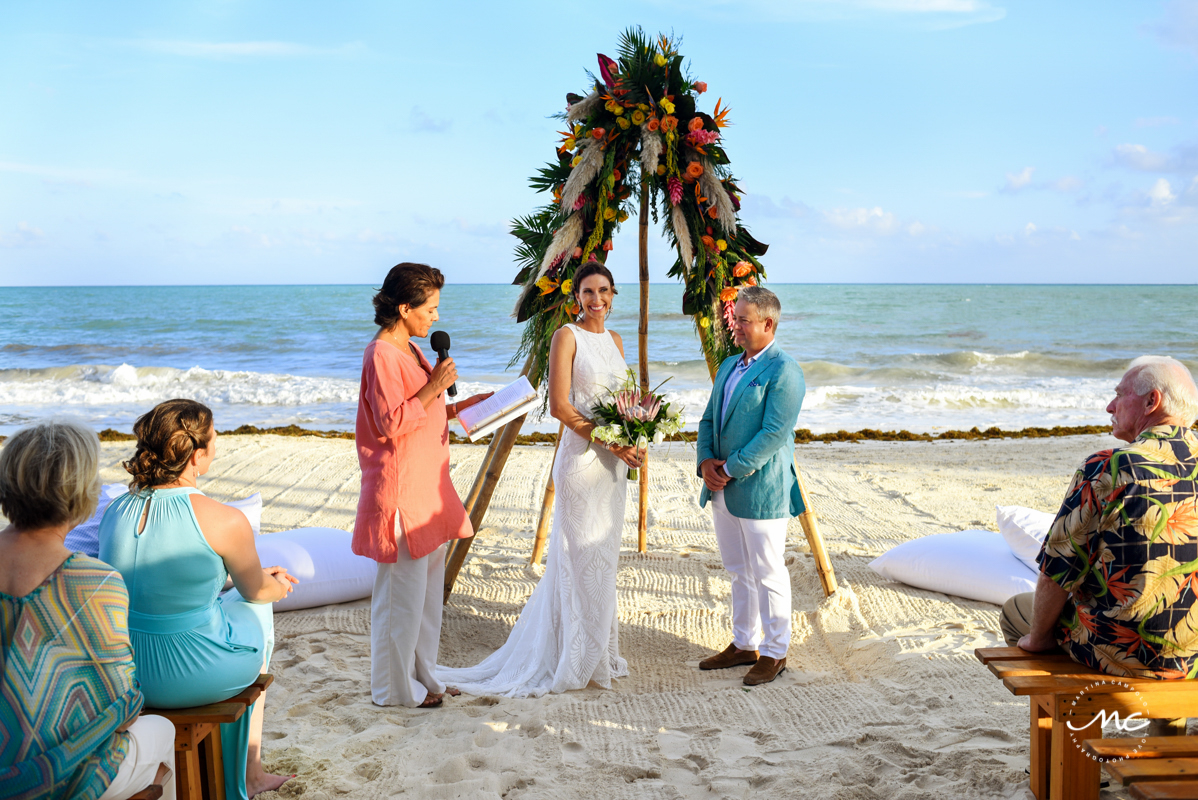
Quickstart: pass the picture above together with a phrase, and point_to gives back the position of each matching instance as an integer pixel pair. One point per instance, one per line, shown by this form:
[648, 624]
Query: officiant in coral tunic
[408, 508]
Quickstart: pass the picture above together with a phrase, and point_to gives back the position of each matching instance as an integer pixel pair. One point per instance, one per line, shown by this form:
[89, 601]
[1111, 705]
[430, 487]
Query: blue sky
[877, 140]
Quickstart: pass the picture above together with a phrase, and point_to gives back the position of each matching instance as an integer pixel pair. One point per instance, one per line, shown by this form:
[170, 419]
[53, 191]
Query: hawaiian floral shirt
[1125, 544]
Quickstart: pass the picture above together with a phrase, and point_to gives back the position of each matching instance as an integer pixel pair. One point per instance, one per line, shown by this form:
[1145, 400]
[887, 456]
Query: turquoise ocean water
[920, 357]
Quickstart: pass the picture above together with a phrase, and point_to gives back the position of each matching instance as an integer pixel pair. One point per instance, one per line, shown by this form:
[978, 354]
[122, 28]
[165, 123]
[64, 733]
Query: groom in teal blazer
[746, 460]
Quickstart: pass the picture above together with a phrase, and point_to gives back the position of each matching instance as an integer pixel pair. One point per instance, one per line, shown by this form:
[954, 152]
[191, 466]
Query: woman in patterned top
[70, 702]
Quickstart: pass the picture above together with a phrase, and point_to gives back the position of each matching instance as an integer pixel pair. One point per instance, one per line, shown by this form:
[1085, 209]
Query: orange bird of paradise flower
[720, 117]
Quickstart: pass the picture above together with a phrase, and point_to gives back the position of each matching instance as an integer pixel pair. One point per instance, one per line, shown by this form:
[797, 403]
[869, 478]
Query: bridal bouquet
[634, 418]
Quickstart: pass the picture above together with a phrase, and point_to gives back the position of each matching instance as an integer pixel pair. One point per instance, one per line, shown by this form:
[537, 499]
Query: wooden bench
[1060, 770]
[199, 762]
[1154, 766]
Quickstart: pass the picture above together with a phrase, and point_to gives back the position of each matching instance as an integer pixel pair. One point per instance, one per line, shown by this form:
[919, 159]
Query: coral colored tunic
[403, 450]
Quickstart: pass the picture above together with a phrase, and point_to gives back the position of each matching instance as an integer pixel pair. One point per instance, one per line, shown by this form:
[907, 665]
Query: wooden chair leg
[1041, 749]
[214, 765]
[187, 775]
[1072, 774]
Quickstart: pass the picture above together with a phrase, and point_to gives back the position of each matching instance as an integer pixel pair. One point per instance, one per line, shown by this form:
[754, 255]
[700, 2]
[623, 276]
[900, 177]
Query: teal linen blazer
[757, 438]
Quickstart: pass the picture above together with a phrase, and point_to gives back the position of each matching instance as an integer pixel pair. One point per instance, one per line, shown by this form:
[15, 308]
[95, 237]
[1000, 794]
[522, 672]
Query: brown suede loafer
[765, 670]
[731, 657]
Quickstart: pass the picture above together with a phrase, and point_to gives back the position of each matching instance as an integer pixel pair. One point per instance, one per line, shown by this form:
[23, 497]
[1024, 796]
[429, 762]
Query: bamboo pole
[538, 545]
[480, 493]
[642, 517]
[823, 565]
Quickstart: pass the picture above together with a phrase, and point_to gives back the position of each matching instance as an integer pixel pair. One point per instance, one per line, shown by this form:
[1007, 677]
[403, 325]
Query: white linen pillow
[1025, 530]
[328, 571]
[85, 537]
[976, 565]
[252, 508]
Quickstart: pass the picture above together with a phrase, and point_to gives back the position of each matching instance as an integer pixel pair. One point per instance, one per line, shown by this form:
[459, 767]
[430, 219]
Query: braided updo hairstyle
[167, 436]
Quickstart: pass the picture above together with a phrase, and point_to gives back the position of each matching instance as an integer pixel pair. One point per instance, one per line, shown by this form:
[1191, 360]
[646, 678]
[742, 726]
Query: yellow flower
[661, 169]
[659, 60]
[577, 131]
[721, 244]
[704, 322]
[638, 117]
[609, 213]
[569, 143]
[623, 123]
[567, 285]
[617, 109]
[667, 105]
[574, 162]
[546, 284]
[642, 106]
[623, 215]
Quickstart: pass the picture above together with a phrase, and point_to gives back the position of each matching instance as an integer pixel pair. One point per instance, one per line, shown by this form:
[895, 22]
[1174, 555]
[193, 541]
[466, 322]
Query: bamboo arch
[637, 137]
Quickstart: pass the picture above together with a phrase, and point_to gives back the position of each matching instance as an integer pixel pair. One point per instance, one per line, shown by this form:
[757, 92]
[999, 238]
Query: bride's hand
[629, 455]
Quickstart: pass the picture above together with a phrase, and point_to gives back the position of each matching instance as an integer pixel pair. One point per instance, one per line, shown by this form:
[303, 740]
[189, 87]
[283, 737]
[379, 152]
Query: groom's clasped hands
[714, 475]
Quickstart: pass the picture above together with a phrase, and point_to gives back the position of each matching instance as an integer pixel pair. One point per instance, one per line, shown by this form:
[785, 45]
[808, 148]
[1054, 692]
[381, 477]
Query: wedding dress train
[567, 634]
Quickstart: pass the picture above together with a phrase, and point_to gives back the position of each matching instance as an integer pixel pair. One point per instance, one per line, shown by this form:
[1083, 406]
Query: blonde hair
[49, 474]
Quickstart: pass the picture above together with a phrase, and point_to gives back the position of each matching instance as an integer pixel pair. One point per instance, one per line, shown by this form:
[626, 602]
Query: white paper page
[498, 404]
[502, 419]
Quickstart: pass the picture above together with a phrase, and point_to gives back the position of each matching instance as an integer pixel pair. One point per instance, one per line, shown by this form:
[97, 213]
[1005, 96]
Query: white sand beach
[882, 697]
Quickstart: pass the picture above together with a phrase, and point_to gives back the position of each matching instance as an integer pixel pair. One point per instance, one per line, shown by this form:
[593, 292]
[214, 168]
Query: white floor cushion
[1025, 530]
[976, 565]
[85, 537]
[328, 571]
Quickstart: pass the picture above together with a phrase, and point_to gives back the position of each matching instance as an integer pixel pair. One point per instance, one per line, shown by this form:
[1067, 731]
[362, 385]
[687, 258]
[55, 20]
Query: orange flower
[615, 173]
[607, 245]
[711, 212]
[669, 124]
[700, 87]
[573, 309]
[598, 133]
[752, 280]
[577, 252]
[693, 170]
[654, 123]
[742, 269]
[729, 294]
[696, 124]
[708, 241]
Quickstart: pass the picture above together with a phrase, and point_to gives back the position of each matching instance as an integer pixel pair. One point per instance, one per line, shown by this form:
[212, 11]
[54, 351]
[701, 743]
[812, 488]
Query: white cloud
[1137, 156]
[916, 228]
[223, 50]
[1066, 184]
[424, 123]
[934, 14]
[1029, 229]
[1179, 27]
[872, 219]
[1018, 180]
[1161, 194]
[22, 236]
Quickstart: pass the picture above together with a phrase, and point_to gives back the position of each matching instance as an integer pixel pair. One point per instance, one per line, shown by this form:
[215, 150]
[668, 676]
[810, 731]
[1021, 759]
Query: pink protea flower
[729, 313]
[675, 187]
[636, 407]
[580, 202]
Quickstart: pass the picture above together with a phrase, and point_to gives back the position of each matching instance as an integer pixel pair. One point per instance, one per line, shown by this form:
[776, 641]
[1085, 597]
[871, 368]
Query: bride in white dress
[567, 635]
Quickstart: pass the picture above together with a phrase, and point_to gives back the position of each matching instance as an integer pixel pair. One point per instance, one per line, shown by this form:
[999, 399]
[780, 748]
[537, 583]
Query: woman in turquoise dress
[174, 547]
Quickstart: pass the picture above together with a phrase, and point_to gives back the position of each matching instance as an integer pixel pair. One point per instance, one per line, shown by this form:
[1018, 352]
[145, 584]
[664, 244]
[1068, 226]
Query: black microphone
[440, 343]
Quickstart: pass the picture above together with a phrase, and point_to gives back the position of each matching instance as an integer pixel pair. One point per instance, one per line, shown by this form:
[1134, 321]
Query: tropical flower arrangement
[635, 418]
[638, 130]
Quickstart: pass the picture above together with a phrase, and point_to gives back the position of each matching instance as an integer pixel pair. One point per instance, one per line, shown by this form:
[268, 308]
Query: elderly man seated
[1119, 569]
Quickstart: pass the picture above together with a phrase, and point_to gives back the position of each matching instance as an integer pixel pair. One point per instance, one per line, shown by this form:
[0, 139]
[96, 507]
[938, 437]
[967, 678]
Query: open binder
[511, 401]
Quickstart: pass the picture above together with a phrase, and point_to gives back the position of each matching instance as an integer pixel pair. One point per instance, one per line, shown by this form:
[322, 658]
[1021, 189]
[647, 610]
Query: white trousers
[405, 627]
[754, 551]
[151, 745]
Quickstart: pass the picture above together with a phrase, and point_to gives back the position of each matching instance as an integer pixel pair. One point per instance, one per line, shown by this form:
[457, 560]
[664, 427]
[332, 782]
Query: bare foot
[432, 700]
[453, 691]
[267, 783]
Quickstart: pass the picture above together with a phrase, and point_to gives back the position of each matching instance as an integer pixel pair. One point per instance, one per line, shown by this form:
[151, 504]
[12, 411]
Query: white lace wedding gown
[567, 635]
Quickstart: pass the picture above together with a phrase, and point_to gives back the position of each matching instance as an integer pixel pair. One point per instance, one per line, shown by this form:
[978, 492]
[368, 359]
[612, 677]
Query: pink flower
[702, 137]
[636, 407]
[729, 313]
[700, 87]
[580, 202]
[675, 187]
